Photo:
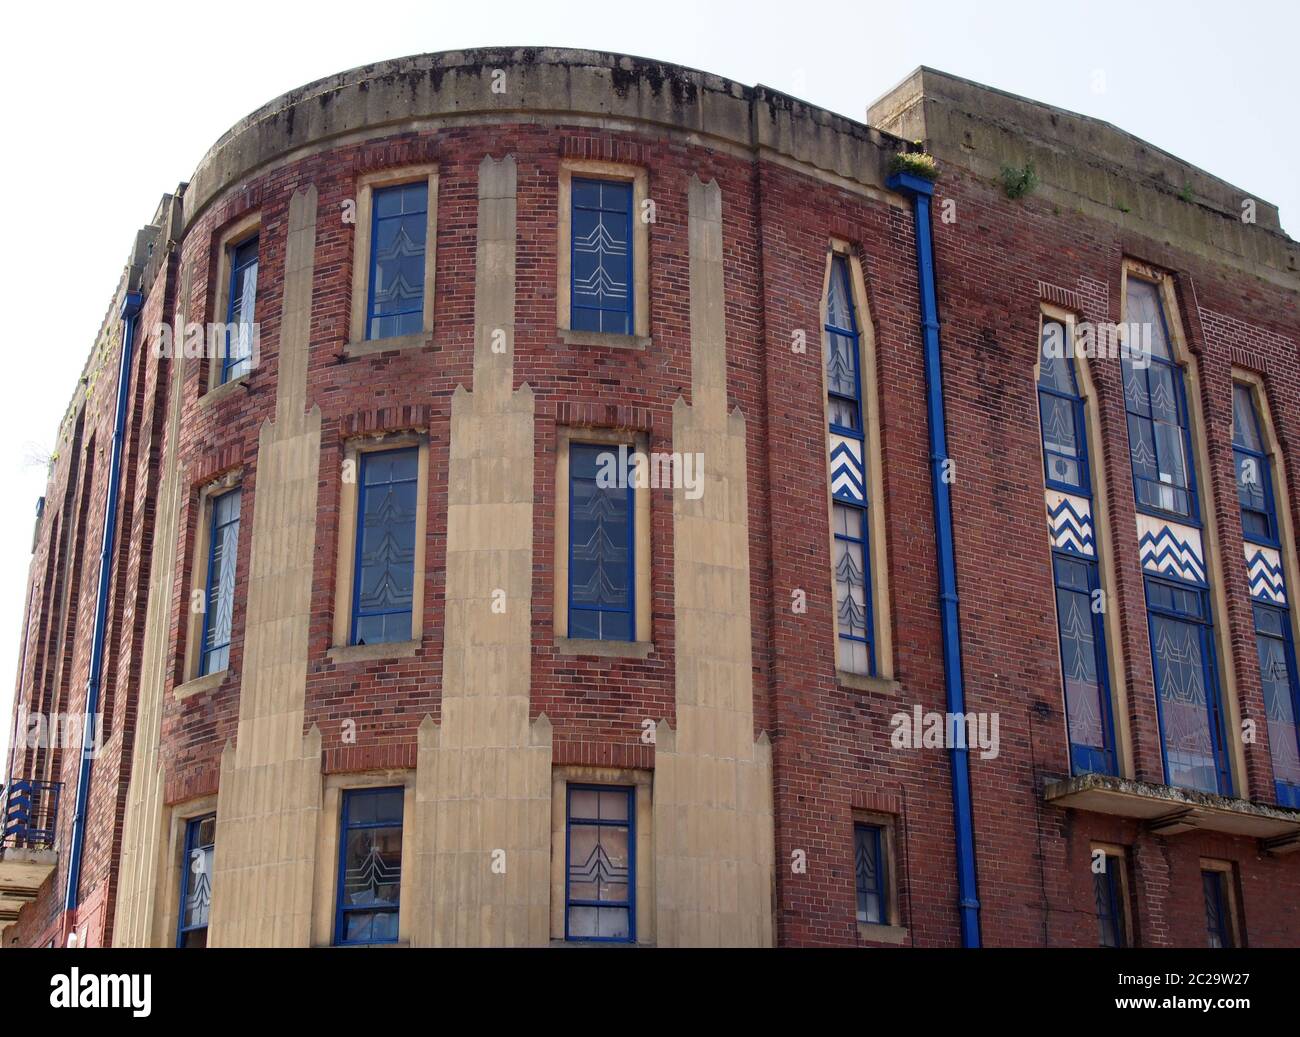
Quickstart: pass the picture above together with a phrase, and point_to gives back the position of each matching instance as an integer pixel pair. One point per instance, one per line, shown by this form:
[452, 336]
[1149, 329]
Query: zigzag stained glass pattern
[1264, 570]
[601, 257]
[1170, 549]
[385, 569]
[223, 555]
[397, 256]
[599, 873]
[847, 480]
[1070, 521]
[370, 878]
[600, 544]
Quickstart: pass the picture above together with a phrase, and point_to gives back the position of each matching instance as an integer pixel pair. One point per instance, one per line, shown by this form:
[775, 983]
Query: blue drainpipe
[130, 309]
[920, 192]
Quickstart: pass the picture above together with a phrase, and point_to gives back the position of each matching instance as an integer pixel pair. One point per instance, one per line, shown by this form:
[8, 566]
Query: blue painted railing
[31, 816]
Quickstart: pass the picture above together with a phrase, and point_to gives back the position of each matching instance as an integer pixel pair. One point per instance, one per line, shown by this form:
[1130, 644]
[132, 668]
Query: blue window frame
[855, 621]
[398, 229]
[370, 866]
[1187, 691]
[602, 569]
[870, 870]
[1061, 413]
[384, 583]
[1108, 893]
[601, 285]
[219, 599]
[1082, 636]
[1218, 908]
[1274, 644]
[241, 311]
[1081, 629]
[196, 882]
[600, 863]
[1160, 450]
[1281, 685]
[1254, 472]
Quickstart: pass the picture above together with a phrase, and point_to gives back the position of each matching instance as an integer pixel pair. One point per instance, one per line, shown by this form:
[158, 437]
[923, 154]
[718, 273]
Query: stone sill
[199, 685]
[604, 649]
[861, 682]
[895, 935]
[224, 391]
[344, 654]
[1167, 810]
[396, 344]
[603, 338]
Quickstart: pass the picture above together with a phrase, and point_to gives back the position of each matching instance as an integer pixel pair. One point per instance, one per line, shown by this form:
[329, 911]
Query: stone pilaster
[713, 780]
[269, 801]
[483, 779]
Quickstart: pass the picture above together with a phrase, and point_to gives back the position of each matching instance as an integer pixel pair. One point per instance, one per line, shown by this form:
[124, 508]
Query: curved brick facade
[760, 763]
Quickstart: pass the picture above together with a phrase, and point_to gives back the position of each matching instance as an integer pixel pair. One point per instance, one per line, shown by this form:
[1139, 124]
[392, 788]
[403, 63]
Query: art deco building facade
[555, 496]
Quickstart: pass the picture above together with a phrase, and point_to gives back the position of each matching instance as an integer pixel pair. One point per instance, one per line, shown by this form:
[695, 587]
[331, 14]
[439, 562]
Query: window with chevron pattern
[851, 561]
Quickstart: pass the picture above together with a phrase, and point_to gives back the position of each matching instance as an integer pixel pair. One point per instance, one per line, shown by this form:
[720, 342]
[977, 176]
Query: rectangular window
[1281, 685]
[196, 881]
[398, 232]
[1154, 396]
[1187, 687]
[1254, 471]
[600, 864]
[601, 279]
[601, 543]
[383, 583]
[370, 866]
[241, 311]
[855, 649]
[870, 868]
[1108, 888]
[1220, 911]
[1083, 665]
[219, 599]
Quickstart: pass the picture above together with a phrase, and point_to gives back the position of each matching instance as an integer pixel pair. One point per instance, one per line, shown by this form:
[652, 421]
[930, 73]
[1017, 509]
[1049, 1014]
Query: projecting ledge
[1166, 810]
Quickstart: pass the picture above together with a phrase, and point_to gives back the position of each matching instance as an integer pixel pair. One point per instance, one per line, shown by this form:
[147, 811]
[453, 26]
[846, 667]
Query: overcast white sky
[109, 105]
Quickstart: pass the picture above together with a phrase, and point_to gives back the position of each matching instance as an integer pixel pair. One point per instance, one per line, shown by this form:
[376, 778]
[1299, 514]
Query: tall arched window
[1080, 615]
[1268, 592]
[1171, 548]
[857, 649]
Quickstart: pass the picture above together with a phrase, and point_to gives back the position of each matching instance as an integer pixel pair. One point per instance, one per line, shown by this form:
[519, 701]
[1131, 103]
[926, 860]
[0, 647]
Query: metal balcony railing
[31, 814]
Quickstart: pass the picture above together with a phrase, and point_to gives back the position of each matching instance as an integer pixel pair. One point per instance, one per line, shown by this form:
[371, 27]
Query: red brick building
[382, 658]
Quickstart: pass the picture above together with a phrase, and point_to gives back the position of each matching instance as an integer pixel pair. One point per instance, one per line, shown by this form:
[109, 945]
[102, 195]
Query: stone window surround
[194, 682]
[643, 646]
[342, 650]
[367, 184]
[639, 179]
